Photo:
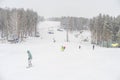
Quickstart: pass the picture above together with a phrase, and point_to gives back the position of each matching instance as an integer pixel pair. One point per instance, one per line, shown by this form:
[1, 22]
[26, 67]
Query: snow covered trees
[104, 29]
[74, 23]
[18, 23]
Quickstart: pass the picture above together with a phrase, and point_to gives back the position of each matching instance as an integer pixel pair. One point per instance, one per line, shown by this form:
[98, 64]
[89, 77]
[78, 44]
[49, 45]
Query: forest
[18, 24]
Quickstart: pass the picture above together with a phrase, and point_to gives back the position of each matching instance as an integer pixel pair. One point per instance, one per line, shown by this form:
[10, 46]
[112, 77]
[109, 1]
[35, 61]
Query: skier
[79, 46]
[93, 47]
[54, 40]
[63, 48]
[29, 59]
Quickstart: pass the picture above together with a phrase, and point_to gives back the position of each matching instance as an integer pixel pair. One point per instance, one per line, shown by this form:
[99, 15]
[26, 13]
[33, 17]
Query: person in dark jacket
[29, 58]
[93, 47]
[54, 40]
[79, 46]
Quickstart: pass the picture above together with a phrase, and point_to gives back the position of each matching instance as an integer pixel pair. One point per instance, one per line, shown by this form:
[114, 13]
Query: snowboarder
[93, 47]
[29, 59]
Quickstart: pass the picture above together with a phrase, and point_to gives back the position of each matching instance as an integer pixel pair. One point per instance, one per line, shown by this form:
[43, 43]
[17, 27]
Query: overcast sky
[57, 8]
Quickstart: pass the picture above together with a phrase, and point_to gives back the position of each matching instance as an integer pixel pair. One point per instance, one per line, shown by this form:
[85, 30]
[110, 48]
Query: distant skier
[63, 48]
[29, 59]
[93, 47]
[79, 46]
[54, 40]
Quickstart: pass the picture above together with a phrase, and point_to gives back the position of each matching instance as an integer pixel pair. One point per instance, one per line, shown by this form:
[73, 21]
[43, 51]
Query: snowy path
[50, 63]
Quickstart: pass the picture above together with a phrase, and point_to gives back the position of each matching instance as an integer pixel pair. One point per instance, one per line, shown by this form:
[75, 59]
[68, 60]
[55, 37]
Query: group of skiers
[30, 55]
[92, 47]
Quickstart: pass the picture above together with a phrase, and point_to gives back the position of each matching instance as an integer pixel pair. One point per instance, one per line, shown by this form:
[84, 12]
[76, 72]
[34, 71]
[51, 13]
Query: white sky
[57, 8]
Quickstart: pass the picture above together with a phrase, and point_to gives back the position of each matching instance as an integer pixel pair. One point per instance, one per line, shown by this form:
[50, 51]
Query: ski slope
[60, 36]
[50, 63]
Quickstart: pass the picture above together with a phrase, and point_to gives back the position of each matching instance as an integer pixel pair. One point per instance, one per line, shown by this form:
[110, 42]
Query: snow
[50, 63]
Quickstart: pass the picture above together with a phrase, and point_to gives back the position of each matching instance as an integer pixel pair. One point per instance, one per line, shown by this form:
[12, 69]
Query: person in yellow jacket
[63, 48]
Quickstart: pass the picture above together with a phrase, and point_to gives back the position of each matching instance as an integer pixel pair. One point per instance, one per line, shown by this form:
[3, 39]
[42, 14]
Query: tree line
[18, 23]
[105, 30]
[74, 23]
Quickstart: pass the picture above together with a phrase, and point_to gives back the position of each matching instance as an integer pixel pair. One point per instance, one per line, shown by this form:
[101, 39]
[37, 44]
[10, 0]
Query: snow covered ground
[50, 63]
